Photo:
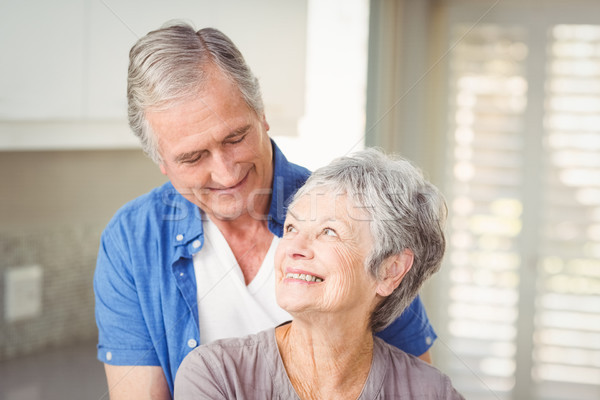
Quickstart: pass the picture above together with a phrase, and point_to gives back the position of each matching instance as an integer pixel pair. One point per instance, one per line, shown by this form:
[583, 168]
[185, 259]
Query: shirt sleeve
[123, 337]
[411, 332]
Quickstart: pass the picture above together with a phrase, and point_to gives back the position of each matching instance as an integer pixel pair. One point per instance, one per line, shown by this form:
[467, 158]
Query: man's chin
[232, 209]
[226, 217]
[228, 213]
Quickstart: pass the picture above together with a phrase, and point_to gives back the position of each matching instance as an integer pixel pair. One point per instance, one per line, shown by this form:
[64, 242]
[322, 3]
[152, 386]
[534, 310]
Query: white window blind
[488, 102]
[523, 261]
[566, 355]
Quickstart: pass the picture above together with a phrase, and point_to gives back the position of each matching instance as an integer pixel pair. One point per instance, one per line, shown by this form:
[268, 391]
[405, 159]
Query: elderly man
[192, 261]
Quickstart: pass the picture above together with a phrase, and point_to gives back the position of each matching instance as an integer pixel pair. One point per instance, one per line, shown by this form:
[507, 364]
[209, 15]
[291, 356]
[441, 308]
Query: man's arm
[125, 347]
[411, 332]
[136, 382]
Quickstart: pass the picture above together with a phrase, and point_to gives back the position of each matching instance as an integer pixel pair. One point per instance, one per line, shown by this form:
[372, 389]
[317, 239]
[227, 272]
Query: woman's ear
[393, 270]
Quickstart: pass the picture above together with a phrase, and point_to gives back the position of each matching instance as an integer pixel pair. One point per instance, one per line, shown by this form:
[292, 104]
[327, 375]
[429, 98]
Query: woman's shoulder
[407, 375]
[234, 368]
[236, 349]
[401, 359]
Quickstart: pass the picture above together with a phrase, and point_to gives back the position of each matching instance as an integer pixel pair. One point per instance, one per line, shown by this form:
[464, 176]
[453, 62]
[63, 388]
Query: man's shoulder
[159, 202]
[298, 171]
[287, 169]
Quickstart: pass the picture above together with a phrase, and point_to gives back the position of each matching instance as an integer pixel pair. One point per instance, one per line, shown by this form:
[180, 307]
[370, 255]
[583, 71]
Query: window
[488, 104]
[567, 307]
[522, 312]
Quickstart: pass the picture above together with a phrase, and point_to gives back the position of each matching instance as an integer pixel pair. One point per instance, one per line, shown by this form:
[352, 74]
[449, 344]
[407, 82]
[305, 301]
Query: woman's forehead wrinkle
[333, 209]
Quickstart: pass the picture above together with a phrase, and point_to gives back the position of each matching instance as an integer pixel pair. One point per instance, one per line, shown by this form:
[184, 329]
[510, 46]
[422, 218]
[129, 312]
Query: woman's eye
[329, 232]
[290, 229]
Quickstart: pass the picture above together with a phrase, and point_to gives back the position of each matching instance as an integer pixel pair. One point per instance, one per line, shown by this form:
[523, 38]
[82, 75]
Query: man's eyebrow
[191, 154]
[187, 156]
[237, 132]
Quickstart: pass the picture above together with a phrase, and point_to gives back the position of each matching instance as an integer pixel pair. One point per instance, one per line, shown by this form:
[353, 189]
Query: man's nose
[224, 170]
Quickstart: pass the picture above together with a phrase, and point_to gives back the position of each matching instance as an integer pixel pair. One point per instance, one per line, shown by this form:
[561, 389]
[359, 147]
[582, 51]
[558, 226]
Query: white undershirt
[226, 306]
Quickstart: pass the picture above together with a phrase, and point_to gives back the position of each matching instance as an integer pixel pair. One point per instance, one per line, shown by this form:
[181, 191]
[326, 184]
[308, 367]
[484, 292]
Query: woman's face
[319, 262]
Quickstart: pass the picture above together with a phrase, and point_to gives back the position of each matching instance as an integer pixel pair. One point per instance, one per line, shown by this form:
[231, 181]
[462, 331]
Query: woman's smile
[301, 276]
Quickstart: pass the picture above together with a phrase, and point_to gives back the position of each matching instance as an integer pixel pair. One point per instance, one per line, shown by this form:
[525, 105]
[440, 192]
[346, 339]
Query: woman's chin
[294, 305]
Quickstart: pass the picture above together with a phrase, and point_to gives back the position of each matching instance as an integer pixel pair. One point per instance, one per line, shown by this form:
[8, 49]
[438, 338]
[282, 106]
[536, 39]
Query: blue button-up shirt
[145, 286]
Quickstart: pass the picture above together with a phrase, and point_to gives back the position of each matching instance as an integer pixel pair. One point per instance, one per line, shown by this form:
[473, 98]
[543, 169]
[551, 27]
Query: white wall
[64, 64]
[336, 76]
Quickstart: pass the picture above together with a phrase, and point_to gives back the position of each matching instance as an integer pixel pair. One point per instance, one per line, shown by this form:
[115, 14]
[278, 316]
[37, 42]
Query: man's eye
[192, 160]
[329, 232]
[290, 229]
[241, 139]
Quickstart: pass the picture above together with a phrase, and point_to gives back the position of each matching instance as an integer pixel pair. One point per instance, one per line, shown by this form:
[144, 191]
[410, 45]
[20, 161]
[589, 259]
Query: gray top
[251, 368]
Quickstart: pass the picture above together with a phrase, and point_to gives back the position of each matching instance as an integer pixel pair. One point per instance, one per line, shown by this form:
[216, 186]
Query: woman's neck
[326, 363]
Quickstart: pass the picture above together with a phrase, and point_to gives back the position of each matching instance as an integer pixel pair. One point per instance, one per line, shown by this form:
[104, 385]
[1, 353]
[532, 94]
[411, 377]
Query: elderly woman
[360, 238]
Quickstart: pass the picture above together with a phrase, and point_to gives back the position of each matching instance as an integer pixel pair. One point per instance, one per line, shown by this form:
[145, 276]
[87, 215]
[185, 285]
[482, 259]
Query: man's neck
[243, 226]
[249, 239]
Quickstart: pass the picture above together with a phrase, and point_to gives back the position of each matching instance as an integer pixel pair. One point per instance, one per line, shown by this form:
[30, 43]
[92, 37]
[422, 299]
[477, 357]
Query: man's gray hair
[405, 212]
[169, 65]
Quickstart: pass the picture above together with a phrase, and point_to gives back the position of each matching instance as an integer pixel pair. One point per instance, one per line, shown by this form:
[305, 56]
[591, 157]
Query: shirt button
[179, 237]
[196, 244]
[108, 356]
[192, 343]
[428, 340]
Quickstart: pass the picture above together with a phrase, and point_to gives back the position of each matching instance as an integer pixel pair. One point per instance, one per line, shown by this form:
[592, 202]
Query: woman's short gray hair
[168, 66]
[405, 210]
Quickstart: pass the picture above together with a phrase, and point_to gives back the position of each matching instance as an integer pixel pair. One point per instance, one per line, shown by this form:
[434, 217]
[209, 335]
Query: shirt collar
[286, 181]
[186, 228]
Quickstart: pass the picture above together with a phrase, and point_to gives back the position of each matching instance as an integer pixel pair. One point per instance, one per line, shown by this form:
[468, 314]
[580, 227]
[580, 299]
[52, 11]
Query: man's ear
[393, 270]
[162, 169]
[265, 123]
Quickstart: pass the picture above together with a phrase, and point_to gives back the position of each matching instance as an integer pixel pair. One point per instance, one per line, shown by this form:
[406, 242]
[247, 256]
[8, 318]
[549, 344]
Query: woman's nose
[300, 247]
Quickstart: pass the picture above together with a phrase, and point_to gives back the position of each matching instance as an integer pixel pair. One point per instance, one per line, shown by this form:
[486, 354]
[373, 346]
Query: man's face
[215, 151]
